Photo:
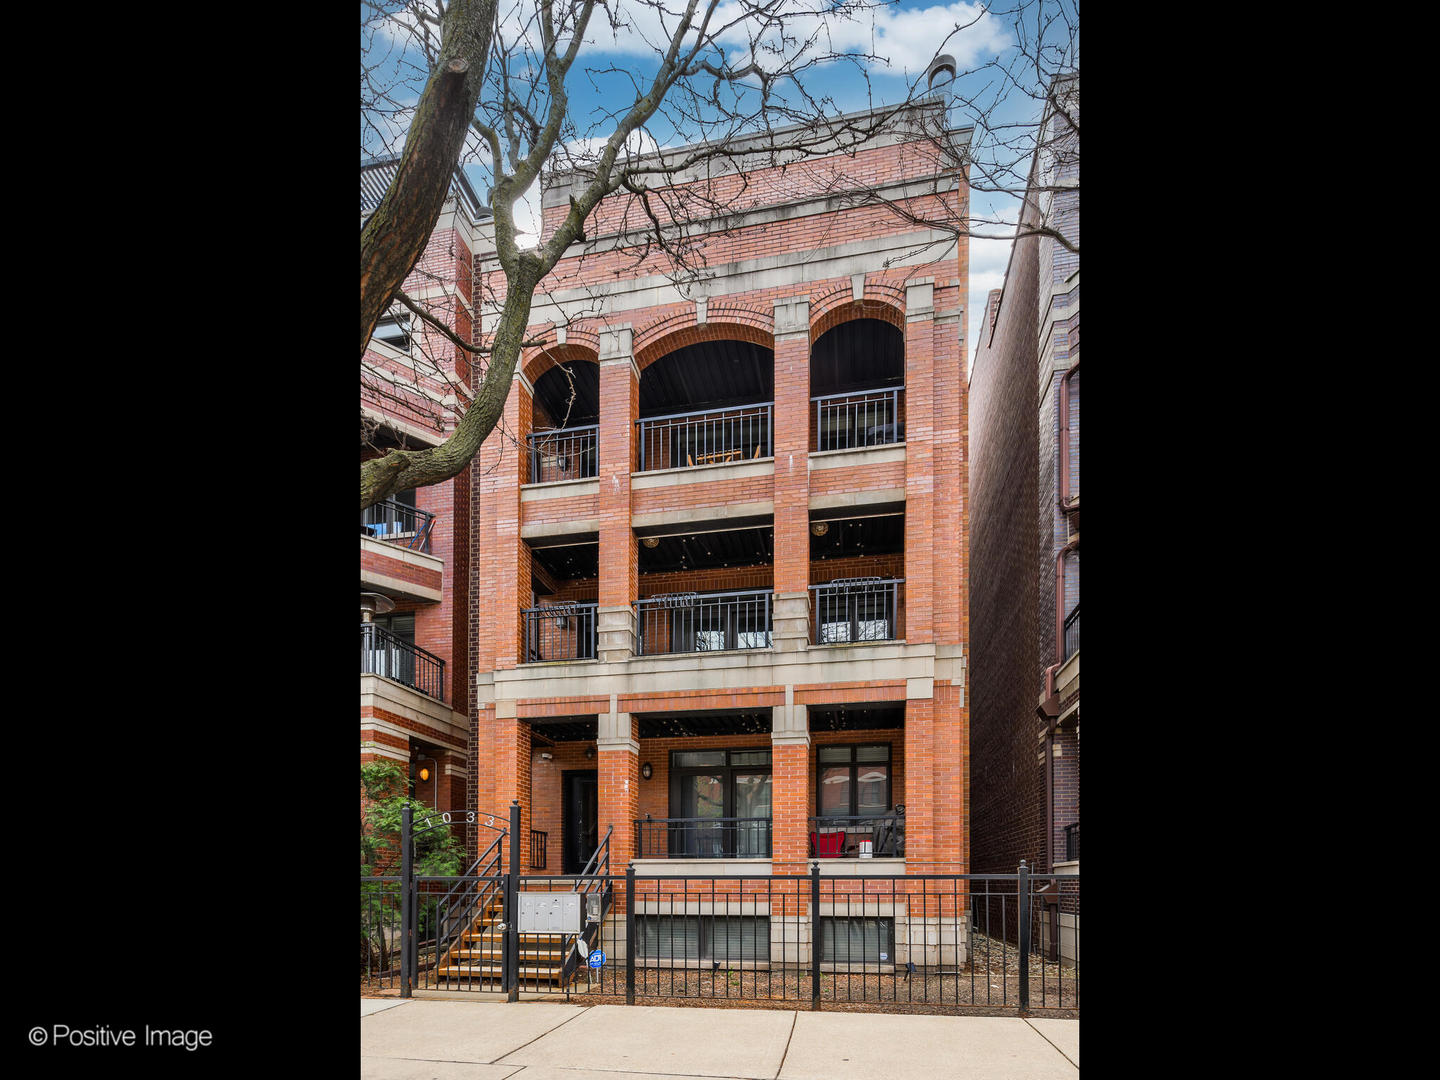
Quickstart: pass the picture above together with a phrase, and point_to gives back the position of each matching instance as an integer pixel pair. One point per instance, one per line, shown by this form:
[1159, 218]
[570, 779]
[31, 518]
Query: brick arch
[881, 301]
[723, 322]
[536, 362]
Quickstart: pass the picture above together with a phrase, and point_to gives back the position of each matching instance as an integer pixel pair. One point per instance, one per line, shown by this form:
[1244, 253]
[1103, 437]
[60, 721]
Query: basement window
[727, 939]
[845, 940]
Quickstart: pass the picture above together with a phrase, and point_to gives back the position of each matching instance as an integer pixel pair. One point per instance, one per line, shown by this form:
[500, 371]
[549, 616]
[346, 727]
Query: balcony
[559, 632]
[397, 523]
[703, 838]
[1072, 633]
[852, 836]
[688, 440]
[850, 610]
[563, 454]
[391, 657]
[703, 622]
[859, 419]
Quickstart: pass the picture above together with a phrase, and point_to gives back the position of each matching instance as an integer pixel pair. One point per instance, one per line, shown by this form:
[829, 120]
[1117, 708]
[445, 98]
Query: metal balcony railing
[559, 632]
[684, 440]
[1072, 633]
[397, 523]
[857, 609]
[563, 454]
[1072, 842]
[703, 838]
[538, 842]
[703, 622]
[384, 654]
[859, 418]
[843, 836]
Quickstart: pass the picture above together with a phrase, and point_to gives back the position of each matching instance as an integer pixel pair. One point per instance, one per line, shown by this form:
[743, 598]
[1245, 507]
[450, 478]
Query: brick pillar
[510, 754]
[792, 474]
[919, 463]
[618, 771]
[920, 811]
[511, 583]
[619, 553]
[790, 787]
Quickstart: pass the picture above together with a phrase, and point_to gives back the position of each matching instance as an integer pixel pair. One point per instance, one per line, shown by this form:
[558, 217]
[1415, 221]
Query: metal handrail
[858, 418]
[539, 841]
[727, 830]
[561, 640]
[1072, 640]
[844, 592]
[886, 831]
[409, 521]
[690, 612]
[578, 444]
[426, 671]
[731, 444]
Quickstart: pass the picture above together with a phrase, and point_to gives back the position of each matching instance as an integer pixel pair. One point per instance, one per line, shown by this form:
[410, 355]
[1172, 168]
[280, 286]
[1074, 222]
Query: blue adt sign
[596, 958]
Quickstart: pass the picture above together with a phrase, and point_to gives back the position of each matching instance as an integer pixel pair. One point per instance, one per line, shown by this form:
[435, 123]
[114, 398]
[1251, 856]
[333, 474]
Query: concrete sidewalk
[446, 1040]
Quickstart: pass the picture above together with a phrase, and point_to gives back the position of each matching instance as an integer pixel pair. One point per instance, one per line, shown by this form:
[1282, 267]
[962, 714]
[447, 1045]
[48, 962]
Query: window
[394, 330]
[389, 659]
[854, 781]
[857, 614]
[721, 624]
[718, 784]
[857, 940]
[391, 517]
[728, 939]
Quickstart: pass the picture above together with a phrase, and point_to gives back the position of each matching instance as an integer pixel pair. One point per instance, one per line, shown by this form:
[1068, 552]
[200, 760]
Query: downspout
[1064, 496]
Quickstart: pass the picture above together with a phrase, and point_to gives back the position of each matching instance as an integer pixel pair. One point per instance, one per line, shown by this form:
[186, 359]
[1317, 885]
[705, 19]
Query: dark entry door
[581, 810]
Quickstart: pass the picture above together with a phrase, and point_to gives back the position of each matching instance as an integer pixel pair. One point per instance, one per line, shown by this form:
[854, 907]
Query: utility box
[557, 913]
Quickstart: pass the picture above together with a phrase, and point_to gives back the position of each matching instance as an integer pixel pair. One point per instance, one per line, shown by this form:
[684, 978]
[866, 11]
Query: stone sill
[559, 489]
[1071, 866]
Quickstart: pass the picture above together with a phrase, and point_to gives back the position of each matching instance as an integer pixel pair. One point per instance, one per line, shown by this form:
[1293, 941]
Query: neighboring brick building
[717, 603]
[1025, 528]
[415, 547]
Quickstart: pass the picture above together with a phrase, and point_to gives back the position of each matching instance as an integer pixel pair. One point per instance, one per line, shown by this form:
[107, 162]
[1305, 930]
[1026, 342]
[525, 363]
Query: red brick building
[1025, 594]
[707, 582]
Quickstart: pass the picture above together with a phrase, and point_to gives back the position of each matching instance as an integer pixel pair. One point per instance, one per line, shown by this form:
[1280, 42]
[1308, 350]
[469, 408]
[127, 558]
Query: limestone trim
[378, 692]
[701, 474]
[559, 489]
[697, 514]
[379, 726]
[410, 431]
[408, 590]
[537, 530]
[860, 455]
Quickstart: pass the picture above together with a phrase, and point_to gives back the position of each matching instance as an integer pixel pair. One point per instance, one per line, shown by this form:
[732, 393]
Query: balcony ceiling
[708, 375]
[709, 550]
[567, 563]
[860, 536]
[862, 354]
[560, 729]
[552, 391]
[851, 718]
[691, 725]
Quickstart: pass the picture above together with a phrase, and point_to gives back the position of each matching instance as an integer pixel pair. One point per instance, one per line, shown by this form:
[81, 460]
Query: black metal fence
[856, 419]
[559, 632]
[382, 653]
[703, 838]
[563, 454]
[855, 836]
[1072, 633]
[397, 523]
[704, 622]
[934, 941]
[685, 440]
[857, 609]
[538, 843]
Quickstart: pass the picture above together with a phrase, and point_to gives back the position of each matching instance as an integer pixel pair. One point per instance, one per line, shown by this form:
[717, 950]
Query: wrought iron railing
[1072, 633]
[684, 440]
[538, 842]
[703, 622]
[559, 632]
[703, 838]
[563, 454]
[1072, 842]
[859, 418]
[844, 836]
[397, 523]
[382, 653]
[857, 609]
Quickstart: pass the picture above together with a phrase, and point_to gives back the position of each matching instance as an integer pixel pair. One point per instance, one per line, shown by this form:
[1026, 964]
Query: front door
[581, 810]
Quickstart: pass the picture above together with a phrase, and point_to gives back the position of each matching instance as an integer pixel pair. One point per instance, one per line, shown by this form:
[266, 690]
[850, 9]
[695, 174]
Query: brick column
[792, 474]
[511, 584]
[790, 787]
[619, 553]
[920, 810]
[919, 463]
[509, 753]
[618, 771]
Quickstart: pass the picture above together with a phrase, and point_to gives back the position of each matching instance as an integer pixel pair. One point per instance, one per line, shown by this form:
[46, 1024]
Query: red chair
[827, 845]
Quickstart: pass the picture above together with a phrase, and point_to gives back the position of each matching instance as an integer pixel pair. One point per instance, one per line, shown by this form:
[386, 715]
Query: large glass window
[724, 798]
[853, 781]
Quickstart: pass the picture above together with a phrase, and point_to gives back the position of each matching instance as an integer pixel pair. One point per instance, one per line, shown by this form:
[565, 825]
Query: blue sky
[904, 36]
